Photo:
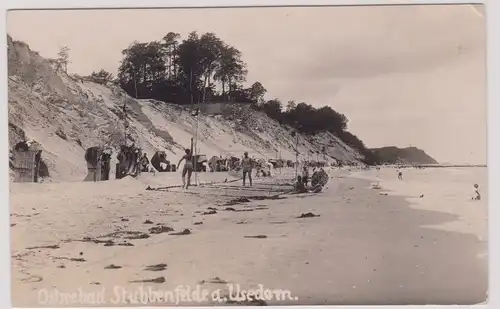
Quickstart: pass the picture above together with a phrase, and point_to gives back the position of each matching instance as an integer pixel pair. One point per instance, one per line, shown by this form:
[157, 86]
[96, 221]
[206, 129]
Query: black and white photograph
[248, 156]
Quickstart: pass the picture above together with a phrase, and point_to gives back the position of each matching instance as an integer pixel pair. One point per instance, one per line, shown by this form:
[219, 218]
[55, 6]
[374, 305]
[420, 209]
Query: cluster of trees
[310, 120]
[203, 68]
[197, 69]
[305, 117]
[102, 77]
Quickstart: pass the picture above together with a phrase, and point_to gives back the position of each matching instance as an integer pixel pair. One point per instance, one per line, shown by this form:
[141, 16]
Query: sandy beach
[366, 246]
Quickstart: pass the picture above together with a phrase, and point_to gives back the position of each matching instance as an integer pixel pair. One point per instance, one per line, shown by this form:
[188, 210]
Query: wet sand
[362, 248]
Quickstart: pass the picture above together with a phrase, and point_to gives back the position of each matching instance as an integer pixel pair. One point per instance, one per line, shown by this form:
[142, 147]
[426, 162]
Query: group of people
[476, 195]
[302, 182]
[247, 165]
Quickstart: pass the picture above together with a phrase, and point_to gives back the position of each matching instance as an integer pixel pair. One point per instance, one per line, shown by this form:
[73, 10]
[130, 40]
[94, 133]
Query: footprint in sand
[211, 212]
[33, 279]
[198, 223]
[77, 259]
[70, 259]
[139, 235]
[308, 215]
[148, 222]
[184, 232]
[272, 197]
[107, 243]
[155, 280]
[44, 247]
[157, 267]
[215, 280]
[257, 236]
[112, 266]
[13, 224]
[236, 201]
[160, 229]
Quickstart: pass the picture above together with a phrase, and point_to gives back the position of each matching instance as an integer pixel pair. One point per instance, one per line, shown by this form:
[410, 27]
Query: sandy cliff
[67, 114]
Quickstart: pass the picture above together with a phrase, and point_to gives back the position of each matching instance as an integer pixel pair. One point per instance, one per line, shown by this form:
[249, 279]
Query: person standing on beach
[246, 164]
[305, 174]
[400, 175]
[188, 168]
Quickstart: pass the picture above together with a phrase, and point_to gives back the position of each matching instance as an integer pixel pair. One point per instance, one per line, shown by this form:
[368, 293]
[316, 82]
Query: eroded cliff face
[67, 114]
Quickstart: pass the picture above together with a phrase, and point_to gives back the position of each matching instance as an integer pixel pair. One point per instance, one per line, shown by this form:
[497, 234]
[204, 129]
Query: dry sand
[364, 248]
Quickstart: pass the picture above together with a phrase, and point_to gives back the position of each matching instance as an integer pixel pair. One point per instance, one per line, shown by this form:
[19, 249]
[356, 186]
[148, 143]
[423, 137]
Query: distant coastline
[438, 165]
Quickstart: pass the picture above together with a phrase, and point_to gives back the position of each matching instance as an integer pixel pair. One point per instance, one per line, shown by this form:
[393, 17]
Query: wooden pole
[296, 154]
[135, 82]
[196, 150]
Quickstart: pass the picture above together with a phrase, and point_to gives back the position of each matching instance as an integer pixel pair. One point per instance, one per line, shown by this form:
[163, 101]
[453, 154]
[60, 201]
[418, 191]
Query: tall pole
[281, 163]
[191, 84]
[125, 125]
[135, 82]
[296, 154]
[196, 150]
[194, 147]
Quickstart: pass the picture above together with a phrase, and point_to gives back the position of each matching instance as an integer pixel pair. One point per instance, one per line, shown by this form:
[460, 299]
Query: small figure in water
[246, 164]
[400, 175]
[476, 192]
[188, 168]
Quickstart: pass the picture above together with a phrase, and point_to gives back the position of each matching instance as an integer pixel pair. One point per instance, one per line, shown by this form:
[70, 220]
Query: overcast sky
[403, 75]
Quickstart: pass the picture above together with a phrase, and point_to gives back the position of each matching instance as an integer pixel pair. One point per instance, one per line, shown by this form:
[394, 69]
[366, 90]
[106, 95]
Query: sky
[403, 75]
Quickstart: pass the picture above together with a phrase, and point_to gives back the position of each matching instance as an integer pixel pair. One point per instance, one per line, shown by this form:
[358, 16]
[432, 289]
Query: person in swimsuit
[305, 175]
[246, 164]
[477, 196]
[188, 168]
[300, 186]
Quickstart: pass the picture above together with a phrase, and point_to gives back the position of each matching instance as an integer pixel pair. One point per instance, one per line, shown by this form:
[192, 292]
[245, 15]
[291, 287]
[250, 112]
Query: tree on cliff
[231, 70]
[257, 92]
[170, 43]
[204, 68]
[63, 59]
[101, 77]
[142, 69]
[186, 71]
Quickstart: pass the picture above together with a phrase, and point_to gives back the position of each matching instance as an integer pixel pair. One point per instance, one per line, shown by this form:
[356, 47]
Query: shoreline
[363, 248]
